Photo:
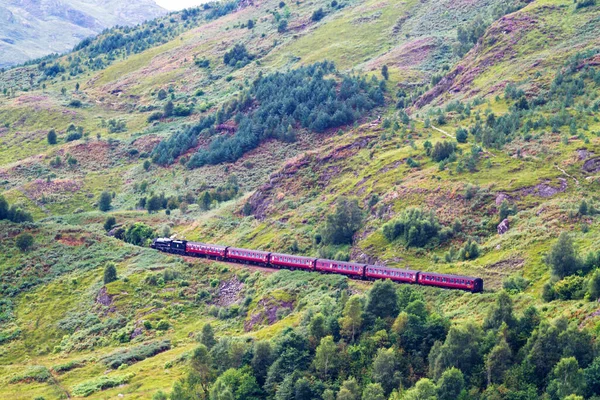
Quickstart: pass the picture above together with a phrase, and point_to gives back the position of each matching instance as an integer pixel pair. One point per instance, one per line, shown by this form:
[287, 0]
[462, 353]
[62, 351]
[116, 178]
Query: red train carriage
[470, 283]
[340, 267]
[397, 275]
[295, 262]
[253, 256]
[206, 250]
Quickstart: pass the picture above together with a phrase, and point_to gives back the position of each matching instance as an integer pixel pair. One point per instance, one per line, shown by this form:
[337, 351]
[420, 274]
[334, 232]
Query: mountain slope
[33, 29]
[487, 116]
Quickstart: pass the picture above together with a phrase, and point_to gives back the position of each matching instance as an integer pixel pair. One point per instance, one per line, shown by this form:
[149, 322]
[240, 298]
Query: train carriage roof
[449, 275]
[249, 250]
[293, 256]
[382, 268]
[216, 246]
[341, 262]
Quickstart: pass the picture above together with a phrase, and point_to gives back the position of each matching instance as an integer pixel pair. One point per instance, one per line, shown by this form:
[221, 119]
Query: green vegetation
[110, 273]
[24, 241]
[135, 354]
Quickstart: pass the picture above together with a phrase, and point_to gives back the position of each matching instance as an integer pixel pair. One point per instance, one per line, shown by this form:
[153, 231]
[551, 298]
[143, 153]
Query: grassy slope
[299, 198]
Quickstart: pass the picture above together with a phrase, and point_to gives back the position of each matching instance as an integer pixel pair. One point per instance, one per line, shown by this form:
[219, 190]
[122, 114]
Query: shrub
[584, 3]
[238, 56]
[104, 382]
[51, 136]
[570, 288]
[24, 241]
[162, 325]
[75, 103]
[36, 373]
[104, 201]
[442, 150]
[61, 368]
[515, 284]
[109, 223]
[155, 116]
[110, 273]
[470, 251]
[203, 62]
[318, 15]
[415, 227]
[461, 135]
[135, 354]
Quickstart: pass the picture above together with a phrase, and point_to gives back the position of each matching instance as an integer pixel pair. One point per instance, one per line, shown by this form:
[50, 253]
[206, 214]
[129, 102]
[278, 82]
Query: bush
[515, 284]
[155, 116]
[318, 15]
[61, 368]
[110, 273]
[238, 56]
[570, 288]
[470, 251]
[162, 325]
[51, 136]
[416, 228]
[24, 241]
[104, 382]
[461, 135]
[584, 3]
[104, 201]
[442, 150]
[75, 103]
[135, 354]
[138, 234]
[36, 373]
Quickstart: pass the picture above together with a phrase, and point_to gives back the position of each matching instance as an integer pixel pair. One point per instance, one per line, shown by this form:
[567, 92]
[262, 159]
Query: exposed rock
[229, 292]
[503, 227]
[545, 189]
[583, 154]
[501, 197]
[136, 332]
[592, 165]
[269, 313]
[103, 297]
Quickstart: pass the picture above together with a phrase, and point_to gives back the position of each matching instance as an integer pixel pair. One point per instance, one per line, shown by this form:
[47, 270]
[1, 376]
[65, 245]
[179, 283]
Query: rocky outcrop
[503, 227]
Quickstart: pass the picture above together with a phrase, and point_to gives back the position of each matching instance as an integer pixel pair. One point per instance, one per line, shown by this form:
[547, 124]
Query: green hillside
[448, 136]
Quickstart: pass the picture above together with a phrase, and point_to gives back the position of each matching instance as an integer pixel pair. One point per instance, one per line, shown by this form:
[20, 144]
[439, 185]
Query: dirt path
[57, 383]
[566, 174]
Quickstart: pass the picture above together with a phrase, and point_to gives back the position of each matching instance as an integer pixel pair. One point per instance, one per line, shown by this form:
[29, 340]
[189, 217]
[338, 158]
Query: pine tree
[110, 273]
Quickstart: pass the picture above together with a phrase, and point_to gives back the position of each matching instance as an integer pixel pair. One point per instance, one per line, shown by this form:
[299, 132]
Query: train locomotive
[294, 262]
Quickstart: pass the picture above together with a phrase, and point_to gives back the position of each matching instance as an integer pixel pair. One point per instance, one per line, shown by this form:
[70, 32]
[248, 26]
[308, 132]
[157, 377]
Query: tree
[349, 390]
[450, 384]
[162, 94]
[501, 312]
[594, 285]
[105, 201]
[352, 317]
[317, 327]
[382, 300]
[110, 273]
[4, 208]
[261, 360]
[385, 73]
[235, 384]
[341, 226]
[567, 379]
[497, 362]
[147, 165]
[250, 24]
[461, 349]
[461, 135]
[24, 241]
[373, 391]
[385, 370]
[109, 223]
[51, 136]
[168, 109]
[200, 363]
[206, 200]
[154, 204]
[303, 390]
[208, 336]
[326, 357]
[562, 259]
[424, 390]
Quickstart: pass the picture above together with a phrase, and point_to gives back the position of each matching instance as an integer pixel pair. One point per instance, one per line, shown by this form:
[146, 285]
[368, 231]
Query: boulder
[503, 227]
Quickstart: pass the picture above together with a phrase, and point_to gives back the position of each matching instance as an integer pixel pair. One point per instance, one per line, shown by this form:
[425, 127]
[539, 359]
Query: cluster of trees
[138, 234]
[221, 193]
[238, 56]
[416, 228]
[389, 345]
[301, 97]
[13, 213]
[571, 278]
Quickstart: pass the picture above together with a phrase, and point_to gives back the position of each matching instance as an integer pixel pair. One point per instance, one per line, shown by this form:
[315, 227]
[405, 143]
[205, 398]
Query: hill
[447, 136]
[33, 29]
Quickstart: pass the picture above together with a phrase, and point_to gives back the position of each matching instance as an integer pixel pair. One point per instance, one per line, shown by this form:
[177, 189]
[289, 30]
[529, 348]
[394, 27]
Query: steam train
[293, 262]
